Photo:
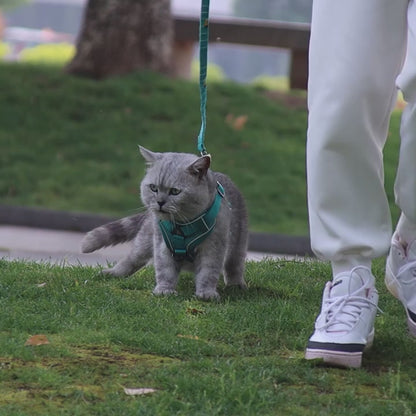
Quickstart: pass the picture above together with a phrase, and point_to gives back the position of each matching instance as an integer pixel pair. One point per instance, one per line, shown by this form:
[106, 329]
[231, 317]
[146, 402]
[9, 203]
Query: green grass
[240, 356]
[70, 144]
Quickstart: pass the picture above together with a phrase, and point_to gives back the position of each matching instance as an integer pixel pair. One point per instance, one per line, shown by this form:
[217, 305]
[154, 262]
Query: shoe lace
[343, 312]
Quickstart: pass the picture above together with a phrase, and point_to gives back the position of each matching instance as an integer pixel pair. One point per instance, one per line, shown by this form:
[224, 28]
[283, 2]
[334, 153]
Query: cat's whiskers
[137, 210]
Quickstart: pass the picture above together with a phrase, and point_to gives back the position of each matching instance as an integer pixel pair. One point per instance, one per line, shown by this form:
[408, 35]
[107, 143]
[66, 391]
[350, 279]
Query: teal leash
[203, 61]
[182, 239]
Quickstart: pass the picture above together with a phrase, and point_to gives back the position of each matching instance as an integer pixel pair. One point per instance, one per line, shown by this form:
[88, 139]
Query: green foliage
[51, 54]
[214, 72]
[242, 355]
[4, 49]
[7, 4]
[271, 83]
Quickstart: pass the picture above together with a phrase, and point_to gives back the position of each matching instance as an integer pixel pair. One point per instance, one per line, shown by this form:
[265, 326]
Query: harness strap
[182, 239]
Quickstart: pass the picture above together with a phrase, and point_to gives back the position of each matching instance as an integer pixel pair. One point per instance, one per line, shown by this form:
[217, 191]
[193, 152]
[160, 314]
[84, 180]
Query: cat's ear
[149, 156]
[200, 166]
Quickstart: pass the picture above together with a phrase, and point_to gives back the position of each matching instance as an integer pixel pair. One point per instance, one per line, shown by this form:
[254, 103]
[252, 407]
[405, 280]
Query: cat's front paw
[207, 295]
[163, 291]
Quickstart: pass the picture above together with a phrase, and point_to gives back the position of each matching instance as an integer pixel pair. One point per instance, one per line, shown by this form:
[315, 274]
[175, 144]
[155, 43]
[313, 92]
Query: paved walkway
[63, 247]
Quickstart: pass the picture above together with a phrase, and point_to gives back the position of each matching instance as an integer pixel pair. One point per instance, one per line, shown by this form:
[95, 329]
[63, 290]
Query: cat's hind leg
[125, 267]
[140, 254]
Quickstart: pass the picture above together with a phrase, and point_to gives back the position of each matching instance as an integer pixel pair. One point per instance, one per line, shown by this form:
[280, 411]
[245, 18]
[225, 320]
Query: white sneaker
[345, 325]
[401, 277]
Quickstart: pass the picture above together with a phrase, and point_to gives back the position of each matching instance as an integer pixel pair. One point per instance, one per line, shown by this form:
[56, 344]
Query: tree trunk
[120, 36]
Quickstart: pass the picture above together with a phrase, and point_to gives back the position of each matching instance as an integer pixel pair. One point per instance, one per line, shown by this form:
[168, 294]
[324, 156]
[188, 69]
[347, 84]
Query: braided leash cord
[203, 52]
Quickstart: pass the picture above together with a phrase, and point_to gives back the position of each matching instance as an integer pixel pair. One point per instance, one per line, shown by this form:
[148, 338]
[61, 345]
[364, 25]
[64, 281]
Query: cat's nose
[161, 203]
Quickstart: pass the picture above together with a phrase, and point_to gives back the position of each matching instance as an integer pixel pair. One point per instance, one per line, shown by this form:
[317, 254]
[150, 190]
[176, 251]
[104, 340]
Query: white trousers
[358, 55]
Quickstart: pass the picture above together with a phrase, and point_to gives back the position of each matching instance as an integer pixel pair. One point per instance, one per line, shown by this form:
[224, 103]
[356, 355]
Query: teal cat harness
[182, 239]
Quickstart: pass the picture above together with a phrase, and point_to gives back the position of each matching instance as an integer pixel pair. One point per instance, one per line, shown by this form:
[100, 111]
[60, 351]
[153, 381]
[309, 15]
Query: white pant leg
[405, 186]
[356, 52]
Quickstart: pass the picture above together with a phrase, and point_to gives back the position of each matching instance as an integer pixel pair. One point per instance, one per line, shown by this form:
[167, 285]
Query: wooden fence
[254, 32]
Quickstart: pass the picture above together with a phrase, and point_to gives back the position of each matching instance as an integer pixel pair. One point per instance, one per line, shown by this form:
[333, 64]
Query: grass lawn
[240, 356]
[70, 144]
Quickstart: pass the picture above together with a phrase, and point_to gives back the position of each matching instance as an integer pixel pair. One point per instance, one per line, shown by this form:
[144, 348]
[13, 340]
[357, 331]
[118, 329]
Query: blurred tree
[285, 10]
[120, 36]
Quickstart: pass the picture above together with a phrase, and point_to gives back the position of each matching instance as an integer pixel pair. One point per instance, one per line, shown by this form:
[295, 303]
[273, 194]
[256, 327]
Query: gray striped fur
[180, 187]
[113, 233]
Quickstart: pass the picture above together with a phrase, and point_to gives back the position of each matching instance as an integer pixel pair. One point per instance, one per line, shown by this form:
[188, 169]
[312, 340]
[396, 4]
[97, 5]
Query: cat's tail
[113, 233]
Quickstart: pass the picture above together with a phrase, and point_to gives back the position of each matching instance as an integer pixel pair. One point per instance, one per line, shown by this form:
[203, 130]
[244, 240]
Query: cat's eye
[153, 187]
[174, 191]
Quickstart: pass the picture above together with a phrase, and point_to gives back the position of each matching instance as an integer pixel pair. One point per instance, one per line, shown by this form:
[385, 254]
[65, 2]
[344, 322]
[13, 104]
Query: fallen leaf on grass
[236, 122]
[194, 311]
[41, 285]
[36, 340]
[139, 392]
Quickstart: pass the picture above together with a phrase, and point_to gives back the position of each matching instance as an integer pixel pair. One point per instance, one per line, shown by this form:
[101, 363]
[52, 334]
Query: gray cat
[195, 219]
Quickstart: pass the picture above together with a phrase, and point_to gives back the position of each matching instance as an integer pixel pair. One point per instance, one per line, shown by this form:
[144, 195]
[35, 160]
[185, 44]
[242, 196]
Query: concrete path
[63, 247]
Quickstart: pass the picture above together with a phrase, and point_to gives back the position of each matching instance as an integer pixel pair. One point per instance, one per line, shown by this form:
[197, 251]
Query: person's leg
[405, 186]
[356, 52]
[401, 262]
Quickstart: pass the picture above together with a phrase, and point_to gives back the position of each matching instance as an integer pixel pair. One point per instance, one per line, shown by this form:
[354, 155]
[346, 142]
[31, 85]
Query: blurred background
[35, 22]
[83, 82]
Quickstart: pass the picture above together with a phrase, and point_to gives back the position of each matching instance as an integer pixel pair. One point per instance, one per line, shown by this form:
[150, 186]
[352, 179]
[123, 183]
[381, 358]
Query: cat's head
[177, 186]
